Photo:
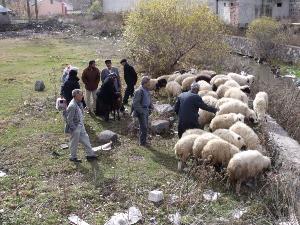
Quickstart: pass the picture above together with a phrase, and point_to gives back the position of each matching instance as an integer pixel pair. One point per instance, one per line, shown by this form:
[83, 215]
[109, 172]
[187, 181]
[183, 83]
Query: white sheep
[211, 73]
[225, 100]
[238, 107]
[231, 137]
[221, 90]
[200, 142]
[245, 165]
[204, 116]
[184, 148]
[156, 84]
[193, 131]
[236, 93]
[242, 80]
[231, 83]
[204, 86]
[173, 76]
[260, 104]
[166, 77]
[180, 79]
[173, 89]
[186, 83]
[208, 93]
[219, 152]
[225, 121]
[250, 137]
[212, 81]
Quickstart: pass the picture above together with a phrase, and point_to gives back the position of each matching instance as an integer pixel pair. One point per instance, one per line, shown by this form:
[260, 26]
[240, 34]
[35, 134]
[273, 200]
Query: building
[4, 15]
[117, 6]
[295, 9]
[48, 8]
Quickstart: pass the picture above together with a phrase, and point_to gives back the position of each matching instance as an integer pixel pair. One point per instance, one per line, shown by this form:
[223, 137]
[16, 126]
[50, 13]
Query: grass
[44, 189]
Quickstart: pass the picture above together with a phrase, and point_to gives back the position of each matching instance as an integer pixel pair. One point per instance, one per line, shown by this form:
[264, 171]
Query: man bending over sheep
[187, 107]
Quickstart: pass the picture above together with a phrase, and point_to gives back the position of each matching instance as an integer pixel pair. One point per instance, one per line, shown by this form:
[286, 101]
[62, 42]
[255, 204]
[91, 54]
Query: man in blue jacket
[187, 107]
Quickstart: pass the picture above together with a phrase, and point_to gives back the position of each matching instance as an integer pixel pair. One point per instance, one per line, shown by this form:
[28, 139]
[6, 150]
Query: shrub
[96, 9]
[160, 34]
[267, 33]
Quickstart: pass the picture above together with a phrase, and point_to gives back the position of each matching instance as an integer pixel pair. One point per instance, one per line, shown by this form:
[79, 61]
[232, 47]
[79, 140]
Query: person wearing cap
[110, 69]
[130, 78]
[141, 107]
[106, 96]
[187, 107]
[91, 78]
[75, 127]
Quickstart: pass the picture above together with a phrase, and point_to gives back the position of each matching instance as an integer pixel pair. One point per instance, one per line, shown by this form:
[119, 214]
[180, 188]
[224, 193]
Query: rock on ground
[107, 136]
[160, 126]
[163, 108]
[39, 85]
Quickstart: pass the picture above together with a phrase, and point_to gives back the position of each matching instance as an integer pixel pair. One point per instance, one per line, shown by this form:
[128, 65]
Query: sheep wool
[166, 77]
[173, 89]
[200, 142]
[231, 137]
[204, 86]
[250, 137]
[225, 100]
[194, 131]
[221, 90]
[236, 93]
[242, 80]
[260, 104]
[210, 100]
[212, 81]
[173, 76]
[184, 147]
[238, 107]
[180, 78]
[204, 116]
[208, 93]
[231, 83]
[186, 83]
[219, 152]
[225, 121]
[245, 165]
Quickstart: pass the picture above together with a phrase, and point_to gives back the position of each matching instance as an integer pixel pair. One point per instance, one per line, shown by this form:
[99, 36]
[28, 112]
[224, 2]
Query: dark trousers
[182, 127]
[143, 121]
[128, 92]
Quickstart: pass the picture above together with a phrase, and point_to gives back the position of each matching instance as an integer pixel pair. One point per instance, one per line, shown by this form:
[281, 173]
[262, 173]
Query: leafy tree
[96, 9]
[161, 34]
[266, 33]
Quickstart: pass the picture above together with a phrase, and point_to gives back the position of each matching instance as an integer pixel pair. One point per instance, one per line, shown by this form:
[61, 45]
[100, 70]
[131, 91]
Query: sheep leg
[118, 112]
[180, 165]
[238, 187]
[228, 184]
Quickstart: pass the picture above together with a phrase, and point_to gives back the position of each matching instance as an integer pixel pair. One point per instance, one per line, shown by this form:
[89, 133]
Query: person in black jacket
[130, 78]
[71, 84]
[187, 107]
[106, 96]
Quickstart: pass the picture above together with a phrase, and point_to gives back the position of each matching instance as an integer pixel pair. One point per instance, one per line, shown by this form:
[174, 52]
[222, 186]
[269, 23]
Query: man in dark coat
[187, 107]
[106, 96]
[130, 78]
[71, 84]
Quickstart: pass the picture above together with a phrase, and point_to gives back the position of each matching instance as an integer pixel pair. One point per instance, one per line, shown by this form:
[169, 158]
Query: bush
[161, 34]
[267, 33]
[96, 9]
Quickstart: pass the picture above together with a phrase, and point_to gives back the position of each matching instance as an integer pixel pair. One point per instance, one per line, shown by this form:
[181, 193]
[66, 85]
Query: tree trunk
[36, 10]
[28, 11]
[3, 3]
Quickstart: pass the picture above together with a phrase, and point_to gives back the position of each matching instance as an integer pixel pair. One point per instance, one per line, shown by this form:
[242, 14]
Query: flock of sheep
[226, 142]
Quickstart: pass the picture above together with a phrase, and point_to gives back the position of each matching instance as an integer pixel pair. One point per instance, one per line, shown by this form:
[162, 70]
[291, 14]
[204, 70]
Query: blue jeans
[143, 121]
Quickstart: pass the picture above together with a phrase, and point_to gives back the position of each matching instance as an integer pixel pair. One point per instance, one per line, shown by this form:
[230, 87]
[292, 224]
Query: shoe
[75, 160]
[91, 158]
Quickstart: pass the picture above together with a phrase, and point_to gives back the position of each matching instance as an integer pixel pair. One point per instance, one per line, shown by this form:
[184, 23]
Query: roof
[4, 10]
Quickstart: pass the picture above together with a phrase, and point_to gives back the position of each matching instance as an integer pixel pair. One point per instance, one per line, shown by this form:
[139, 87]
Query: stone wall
[244, 46]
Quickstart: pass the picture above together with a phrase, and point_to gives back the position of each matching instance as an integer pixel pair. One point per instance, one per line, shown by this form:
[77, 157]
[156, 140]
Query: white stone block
[155, 196]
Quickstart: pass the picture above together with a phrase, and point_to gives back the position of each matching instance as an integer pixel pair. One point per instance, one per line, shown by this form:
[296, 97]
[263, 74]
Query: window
[279, 4]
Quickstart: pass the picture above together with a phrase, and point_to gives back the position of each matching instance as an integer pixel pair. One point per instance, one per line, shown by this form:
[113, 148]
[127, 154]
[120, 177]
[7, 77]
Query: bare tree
[28, 11]
[36, 10]
[4, 3]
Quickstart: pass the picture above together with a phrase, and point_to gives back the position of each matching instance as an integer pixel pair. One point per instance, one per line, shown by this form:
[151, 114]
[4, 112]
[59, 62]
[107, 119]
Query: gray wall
[118, 5]
[244, 46]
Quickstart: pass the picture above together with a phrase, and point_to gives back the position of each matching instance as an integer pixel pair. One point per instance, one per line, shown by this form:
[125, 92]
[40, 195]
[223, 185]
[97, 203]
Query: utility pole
[28, 11]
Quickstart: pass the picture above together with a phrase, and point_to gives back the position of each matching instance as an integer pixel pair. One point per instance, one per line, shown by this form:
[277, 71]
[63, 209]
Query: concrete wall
[118, 5]
[281, 12]
[4, 19]
[244, 46]
[47, 9]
